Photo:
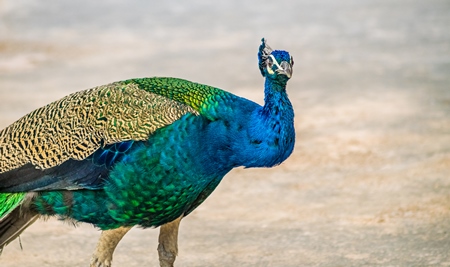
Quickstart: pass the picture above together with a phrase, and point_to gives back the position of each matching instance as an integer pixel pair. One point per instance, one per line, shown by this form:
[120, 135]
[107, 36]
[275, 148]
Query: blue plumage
[110, 154]
[203, 133]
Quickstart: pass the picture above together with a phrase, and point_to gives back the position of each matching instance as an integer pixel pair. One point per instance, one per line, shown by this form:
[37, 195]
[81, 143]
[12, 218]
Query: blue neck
[272, 129]
[276, 100]
[248, 134]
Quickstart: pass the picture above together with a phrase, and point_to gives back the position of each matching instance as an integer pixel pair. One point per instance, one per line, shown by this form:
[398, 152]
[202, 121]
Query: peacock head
[275, 64]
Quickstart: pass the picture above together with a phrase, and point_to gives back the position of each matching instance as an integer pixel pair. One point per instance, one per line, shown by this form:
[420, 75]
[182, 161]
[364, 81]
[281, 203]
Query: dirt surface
[368, 183]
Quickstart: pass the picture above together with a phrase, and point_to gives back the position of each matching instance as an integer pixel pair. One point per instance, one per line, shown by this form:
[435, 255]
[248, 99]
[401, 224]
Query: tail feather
[15, 216]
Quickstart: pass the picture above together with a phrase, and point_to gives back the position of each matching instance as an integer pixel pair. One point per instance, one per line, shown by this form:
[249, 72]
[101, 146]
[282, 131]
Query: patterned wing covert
[77, 125]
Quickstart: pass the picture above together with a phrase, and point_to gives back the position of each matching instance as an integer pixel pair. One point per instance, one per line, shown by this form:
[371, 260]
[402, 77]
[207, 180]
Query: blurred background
[369, 181]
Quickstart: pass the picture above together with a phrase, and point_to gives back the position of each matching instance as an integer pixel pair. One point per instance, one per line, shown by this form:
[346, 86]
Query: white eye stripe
[275, 62]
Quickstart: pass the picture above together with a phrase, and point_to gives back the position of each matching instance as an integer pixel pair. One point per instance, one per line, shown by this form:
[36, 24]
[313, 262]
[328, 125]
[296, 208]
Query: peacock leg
[108, 241]
[168, 243]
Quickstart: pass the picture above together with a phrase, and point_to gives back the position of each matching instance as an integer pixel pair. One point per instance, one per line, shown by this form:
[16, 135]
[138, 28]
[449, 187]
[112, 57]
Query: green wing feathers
[10, 201]
[77, 125]
[15, 216]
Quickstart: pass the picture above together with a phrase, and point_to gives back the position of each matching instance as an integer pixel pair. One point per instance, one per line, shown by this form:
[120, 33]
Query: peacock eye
[269, 62]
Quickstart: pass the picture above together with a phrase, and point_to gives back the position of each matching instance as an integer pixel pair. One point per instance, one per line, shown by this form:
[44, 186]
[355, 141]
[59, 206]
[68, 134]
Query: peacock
[141, 152]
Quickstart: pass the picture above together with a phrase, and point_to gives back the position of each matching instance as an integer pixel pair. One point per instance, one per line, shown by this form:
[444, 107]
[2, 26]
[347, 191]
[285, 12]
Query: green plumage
[139, 152]
[130, 110]
[9, 201]
[193, 94]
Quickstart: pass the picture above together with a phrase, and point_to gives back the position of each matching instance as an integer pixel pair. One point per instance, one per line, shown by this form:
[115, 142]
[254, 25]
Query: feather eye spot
[269, 62]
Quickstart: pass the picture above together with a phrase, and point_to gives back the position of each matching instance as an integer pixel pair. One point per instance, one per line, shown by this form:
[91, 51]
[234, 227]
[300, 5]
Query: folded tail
[15, 216]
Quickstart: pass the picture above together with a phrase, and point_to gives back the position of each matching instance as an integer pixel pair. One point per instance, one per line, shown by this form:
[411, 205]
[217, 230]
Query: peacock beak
[286, 69]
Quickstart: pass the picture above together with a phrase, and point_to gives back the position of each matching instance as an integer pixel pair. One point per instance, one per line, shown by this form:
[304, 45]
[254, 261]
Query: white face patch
[287, 66]
[275, 62]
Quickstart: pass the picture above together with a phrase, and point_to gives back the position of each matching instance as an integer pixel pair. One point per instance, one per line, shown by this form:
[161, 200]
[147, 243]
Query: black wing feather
[90, 173]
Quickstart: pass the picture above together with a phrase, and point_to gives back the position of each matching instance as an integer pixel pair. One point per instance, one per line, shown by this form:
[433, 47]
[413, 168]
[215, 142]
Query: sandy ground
[368, 183]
